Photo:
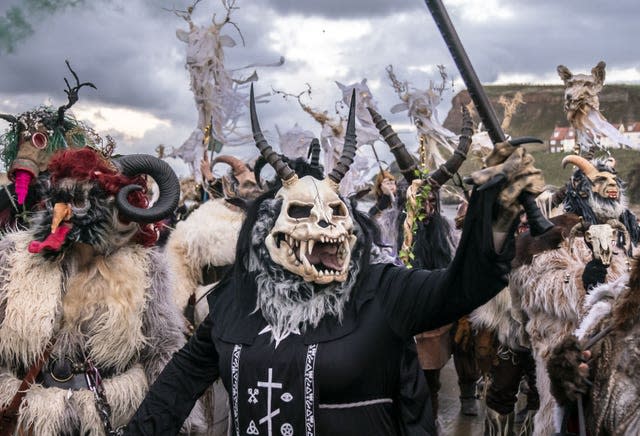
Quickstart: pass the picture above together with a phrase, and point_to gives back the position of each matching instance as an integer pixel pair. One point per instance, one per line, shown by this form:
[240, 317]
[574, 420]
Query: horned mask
[314, 234]
[603, 183]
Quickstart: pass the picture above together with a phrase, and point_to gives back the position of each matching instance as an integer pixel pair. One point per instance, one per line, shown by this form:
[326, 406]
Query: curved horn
[314, 152]
[236, 164]
[406, 162]
[9, 118]
[574, 232]
[615, 224]
[168, 184]
[282, 169]
[451, 166]
[349, 147]
[587, 167]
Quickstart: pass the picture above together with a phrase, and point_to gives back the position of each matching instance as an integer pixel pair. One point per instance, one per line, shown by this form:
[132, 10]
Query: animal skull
[601, 238]
[313, 235]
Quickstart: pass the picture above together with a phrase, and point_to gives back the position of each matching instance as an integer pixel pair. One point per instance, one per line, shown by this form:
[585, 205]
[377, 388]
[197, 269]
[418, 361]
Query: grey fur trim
[288, 303]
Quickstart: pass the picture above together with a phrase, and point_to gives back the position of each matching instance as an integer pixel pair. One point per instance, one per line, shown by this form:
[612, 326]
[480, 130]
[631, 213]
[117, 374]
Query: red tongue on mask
[53, 242]
[324, 253]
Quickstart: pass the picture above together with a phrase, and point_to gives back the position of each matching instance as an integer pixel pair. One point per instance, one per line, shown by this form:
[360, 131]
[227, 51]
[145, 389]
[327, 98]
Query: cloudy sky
[129, 49]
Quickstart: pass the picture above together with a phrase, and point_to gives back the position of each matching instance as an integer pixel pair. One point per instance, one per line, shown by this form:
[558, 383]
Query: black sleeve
[416, 300]
[383, 202]
[169, 401]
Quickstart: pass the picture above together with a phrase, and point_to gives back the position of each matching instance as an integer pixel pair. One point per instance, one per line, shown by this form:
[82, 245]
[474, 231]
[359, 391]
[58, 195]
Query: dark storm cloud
[342, 8]
[130, 51]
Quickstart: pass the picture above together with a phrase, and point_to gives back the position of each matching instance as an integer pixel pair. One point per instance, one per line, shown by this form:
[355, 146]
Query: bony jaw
[313, 235]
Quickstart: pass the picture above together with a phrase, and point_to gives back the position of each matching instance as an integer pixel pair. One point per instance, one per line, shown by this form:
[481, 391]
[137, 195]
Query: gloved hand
[512, 166]
[594, 273]
[568, 369]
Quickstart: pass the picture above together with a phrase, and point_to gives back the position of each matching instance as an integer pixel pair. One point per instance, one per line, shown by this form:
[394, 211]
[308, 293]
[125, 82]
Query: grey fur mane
[288, 303]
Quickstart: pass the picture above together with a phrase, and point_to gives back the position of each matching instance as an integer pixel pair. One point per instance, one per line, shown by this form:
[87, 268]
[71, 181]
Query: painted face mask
[603, 183]
[313, 235]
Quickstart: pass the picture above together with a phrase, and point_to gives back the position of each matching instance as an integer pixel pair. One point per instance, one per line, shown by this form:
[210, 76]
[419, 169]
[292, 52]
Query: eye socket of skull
[338, 209]
[298, 210]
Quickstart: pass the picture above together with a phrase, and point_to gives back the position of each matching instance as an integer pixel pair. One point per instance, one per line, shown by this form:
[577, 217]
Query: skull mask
[313, 235]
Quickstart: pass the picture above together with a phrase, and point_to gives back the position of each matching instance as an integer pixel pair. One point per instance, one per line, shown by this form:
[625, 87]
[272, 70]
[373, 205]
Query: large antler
[283, 170]
[72, 93]
[452, 165]
[9, 118]
[406, 162]
[350, 145]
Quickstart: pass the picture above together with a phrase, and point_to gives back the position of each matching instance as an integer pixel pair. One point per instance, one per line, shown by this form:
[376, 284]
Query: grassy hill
[543, 108]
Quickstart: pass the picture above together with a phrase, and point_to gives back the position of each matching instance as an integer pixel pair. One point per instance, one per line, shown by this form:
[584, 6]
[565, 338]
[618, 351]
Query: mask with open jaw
[313, 235]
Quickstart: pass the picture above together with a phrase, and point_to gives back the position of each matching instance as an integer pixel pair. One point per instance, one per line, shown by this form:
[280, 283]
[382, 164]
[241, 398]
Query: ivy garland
[415, 214]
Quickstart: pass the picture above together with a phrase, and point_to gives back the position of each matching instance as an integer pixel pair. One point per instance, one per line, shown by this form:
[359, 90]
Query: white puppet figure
[582, 105]
[218, 95]
[333, 131]
[295, 141]
[422, 107]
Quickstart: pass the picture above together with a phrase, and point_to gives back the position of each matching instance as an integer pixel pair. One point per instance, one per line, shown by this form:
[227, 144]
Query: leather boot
[468, 402]
[496, 424]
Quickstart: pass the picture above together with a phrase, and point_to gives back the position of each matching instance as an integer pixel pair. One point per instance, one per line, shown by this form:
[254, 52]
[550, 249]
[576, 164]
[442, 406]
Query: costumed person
[305, 333]
[431, 248]
[596, 368]
[553, 275]
[387, 212]
[26, 149]
[87, 320]
[202, 248]
[505, 358]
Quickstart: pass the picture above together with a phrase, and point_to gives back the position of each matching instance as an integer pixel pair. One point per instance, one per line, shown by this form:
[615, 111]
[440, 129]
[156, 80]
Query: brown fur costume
[612, 402]
[552, 297]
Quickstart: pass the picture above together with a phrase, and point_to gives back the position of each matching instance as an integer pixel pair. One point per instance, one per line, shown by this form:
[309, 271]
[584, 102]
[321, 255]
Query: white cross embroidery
[270, 385]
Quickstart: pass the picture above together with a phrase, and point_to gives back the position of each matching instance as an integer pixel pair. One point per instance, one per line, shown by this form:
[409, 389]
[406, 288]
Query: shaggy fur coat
[117, 310]
[612, 405]
[207, 237]
[552, 297]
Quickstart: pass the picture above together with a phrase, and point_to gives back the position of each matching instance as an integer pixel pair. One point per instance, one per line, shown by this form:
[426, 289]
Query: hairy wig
[87, 169]
[277, 287]
[582, 201]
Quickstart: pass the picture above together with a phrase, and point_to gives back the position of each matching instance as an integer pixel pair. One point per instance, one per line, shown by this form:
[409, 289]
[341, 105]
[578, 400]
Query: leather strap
[9, 415]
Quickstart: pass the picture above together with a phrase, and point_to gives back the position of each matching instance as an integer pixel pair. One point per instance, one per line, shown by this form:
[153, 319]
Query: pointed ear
[564, 73]
[341, 86]
[598, 72]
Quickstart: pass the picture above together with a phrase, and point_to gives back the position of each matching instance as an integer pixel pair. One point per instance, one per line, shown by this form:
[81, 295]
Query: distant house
[562, 140]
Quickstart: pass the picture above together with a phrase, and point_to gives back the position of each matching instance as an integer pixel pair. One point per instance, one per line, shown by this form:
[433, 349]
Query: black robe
[336, 379]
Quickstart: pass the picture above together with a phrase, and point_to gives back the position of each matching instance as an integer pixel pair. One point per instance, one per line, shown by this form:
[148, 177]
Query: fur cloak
[552, 297]
[207, 237]
[118, 311]
[612, 404]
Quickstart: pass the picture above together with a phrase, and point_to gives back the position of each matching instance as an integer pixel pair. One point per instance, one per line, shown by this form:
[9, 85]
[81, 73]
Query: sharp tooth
[290, 252]
[322, 239]
[320, 273]
[342, 238]
[302, 249]
[310, 246]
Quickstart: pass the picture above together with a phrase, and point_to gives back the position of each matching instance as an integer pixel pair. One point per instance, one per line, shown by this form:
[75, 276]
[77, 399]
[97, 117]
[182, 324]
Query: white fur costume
[118, 310]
